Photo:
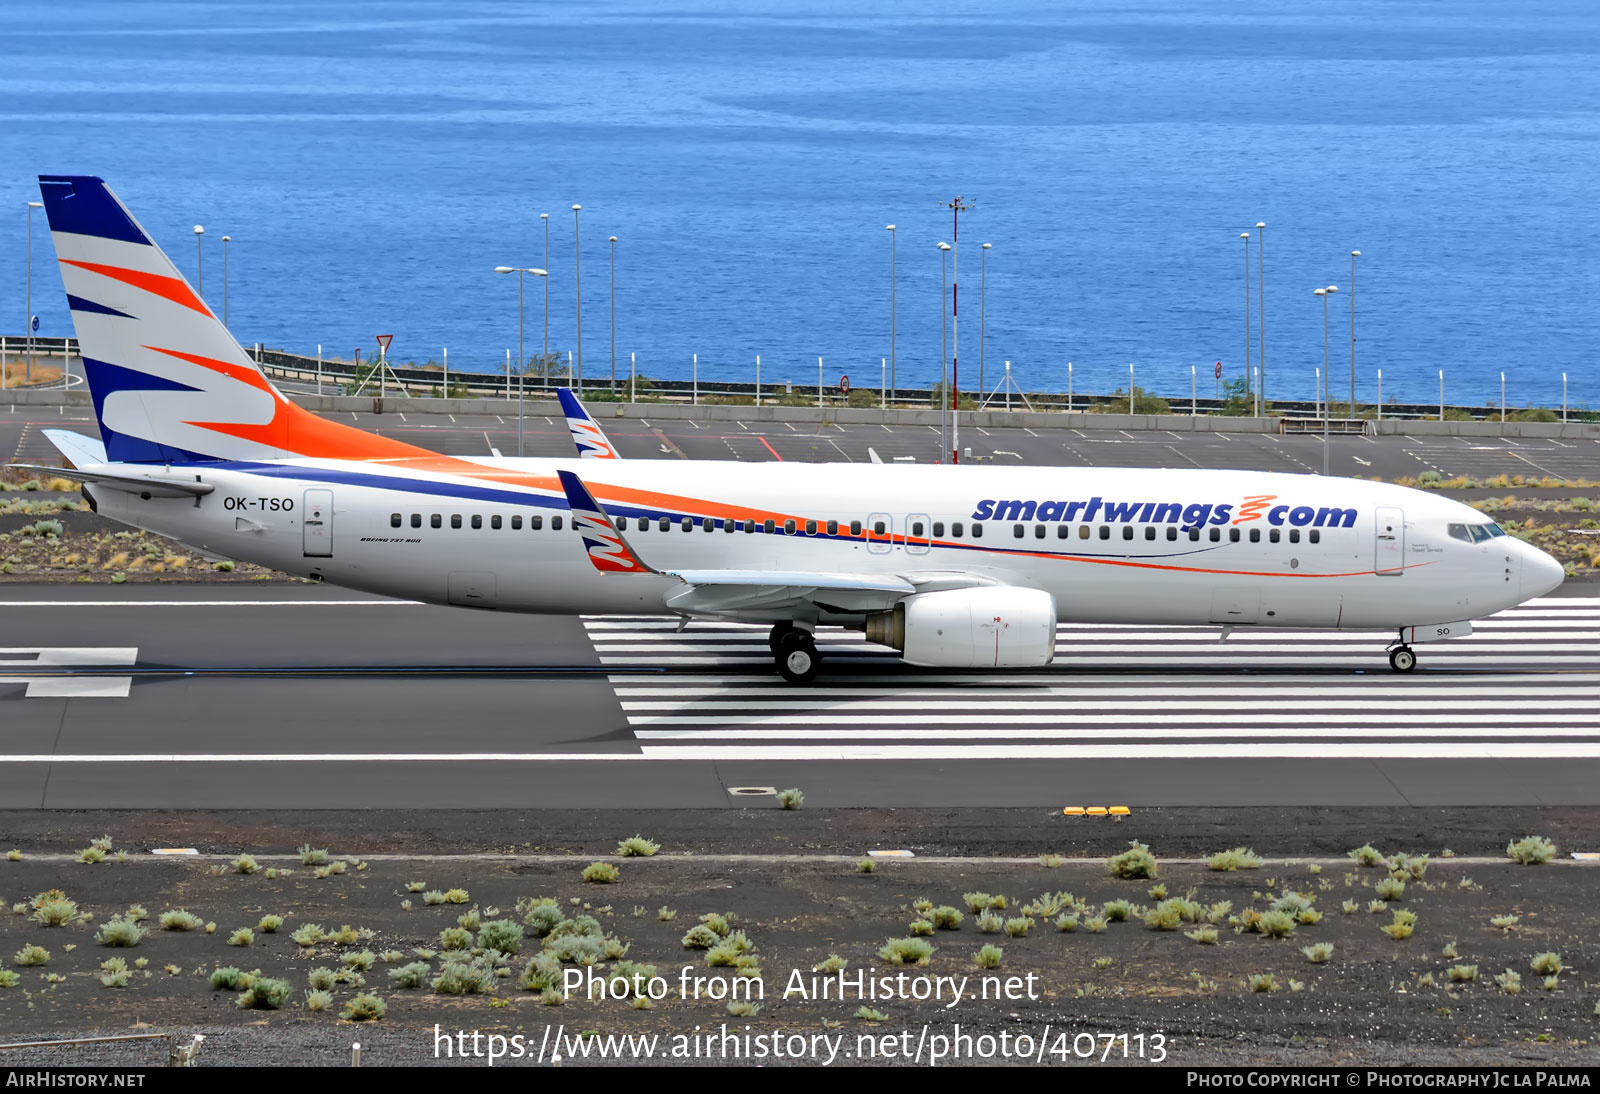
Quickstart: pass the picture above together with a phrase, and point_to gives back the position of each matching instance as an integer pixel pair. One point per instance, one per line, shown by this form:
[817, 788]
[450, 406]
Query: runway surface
[302, 697]
[22, 439]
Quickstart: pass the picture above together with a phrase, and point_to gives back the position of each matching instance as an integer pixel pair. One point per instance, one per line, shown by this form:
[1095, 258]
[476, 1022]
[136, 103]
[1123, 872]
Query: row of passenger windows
[879, 528]
[1064, 531]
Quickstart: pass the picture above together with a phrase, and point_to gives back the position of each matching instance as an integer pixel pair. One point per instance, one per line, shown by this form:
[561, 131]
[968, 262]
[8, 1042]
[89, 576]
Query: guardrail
[1357, 426]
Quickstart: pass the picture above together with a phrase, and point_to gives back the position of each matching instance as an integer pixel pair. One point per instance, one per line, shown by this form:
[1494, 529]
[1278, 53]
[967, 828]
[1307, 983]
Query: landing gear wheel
[775, 637]
[797, 658]
[1402, 659]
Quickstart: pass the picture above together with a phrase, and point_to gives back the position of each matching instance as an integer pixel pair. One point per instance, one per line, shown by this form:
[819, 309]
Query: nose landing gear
[1401, 656]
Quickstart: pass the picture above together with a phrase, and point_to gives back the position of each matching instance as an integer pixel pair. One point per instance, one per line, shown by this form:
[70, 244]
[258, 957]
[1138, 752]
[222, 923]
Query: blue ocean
[373, 162]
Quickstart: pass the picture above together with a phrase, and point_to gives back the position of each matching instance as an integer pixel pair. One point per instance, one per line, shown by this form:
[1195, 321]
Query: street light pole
[944, 349]
[27, 373]
[892, 242]
[1353, 256]
[577, 271]
[522, 361]
[544, 361]
[957, 207]
[613, 313]
[1246, 237]
[1325, 293]
[1261, 315]
[983, 314]
[199, 261]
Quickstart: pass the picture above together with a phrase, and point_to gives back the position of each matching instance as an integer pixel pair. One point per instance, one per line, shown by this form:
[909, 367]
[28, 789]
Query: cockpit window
[1475, 533]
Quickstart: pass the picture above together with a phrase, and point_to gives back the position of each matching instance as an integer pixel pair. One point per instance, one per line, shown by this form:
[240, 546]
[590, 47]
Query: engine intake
[990, 627]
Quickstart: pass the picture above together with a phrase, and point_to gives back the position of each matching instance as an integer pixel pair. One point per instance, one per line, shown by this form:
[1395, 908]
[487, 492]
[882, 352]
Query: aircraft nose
[1540, 573]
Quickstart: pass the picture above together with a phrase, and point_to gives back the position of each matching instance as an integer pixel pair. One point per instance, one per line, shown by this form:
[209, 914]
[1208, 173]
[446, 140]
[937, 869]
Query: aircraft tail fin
[169, 383]
[608, 549]
[586, 432]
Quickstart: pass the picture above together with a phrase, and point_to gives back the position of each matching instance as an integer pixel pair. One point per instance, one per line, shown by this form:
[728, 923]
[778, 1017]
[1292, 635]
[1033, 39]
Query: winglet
[586, 433]
[608, 550]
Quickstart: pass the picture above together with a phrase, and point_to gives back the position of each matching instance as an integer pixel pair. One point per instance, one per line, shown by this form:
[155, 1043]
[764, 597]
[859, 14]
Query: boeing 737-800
[953, 566]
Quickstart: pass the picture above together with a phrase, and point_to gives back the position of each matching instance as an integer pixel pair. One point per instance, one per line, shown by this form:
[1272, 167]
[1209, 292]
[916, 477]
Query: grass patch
[364, 1007]
[906, 951]
[1510, 982]
[1240, 858]
[269, 923]
[308, 934]
[1504, 922]
[1318, 953]
[1263, 981]
[244, 864]
[1135, 862]
[1546, 964]
[1403, 924]
[637, 847]
[1531, 851]
[31, 955]
[120, 932]
[791, 798]
[601, 873]
[1367, 855]
[265, 993]
[1204, 936]
[244, 936]
[318, 1000]
[989, 957]
[1463, 974]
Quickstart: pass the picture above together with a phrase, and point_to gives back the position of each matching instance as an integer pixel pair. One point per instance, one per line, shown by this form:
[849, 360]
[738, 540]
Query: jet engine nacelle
[990, 627]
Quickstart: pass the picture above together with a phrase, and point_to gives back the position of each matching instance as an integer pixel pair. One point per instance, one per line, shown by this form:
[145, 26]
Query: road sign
[1219, 370]
[34, 322]
[844, 385]
[385, 339]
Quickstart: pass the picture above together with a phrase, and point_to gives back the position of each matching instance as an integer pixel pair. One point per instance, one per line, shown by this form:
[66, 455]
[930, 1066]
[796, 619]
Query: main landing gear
[795, 652]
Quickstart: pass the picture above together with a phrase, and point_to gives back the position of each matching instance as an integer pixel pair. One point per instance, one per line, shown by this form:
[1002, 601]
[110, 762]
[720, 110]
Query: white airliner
[954, 566]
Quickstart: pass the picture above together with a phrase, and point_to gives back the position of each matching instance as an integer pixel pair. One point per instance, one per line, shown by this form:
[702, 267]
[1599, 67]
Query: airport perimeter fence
[340, 377]
[345, 378]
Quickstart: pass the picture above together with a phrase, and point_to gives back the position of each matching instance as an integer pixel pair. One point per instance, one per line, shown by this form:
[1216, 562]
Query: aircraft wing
[733, 592]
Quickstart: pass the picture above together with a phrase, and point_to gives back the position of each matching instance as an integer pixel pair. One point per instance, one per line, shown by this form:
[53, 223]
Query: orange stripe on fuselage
[169, 288]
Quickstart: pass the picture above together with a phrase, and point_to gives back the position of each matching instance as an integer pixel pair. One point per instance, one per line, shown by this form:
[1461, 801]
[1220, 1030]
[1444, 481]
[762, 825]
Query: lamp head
[888, 227]
[575, 208]
[1261, 224]
[504, 269]
[36, 205]
[987, 246]
[613, 239]
[544, 216]
[199, 230]
[1244, 235]
[227, 239]
[1355, 254]
[944, 246]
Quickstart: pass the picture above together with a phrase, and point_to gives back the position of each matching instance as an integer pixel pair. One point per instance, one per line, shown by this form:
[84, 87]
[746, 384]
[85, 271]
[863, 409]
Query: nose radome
[1540, 573]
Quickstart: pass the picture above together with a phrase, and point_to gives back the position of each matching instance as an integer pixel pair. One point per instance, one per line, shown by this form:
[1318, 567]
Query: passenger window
[665, 524]
[833, 528]
[686, 524]
[811, 528]
[1127, 531]
[1255, 535]
[855, 528]
[1216, 535]
[394, 520]
[749, 526]
[455, 520]
[1315, 536]
[435, 521]
[1233, 535]
[1150, 532]
[1062, 531]
[955, 530]
[730, 526]
[770, 527]
[477, 520]
[494, 521]
[1017, 531]
[416, 520]
[1274, 535]
[1038, 531]
[977, 531]
[516, 523]
[1194, 535]
[788, 527]
[555, 524]
[1083, 531]
[1105, 531]
[938, 529]
[1294, 535]
[535, 523]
